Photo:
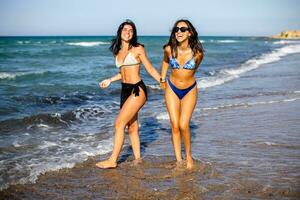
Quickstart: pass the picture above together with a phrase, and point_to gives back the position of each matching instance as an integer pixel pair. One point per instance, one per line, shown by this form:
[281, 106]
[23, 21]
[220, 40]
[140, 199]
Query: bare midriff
[130, 74]
[182, 78]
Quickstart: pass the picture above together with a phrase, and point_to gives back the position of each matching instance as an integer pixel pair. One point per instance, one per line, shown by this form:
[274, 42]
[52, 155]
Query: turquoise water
[53, 114]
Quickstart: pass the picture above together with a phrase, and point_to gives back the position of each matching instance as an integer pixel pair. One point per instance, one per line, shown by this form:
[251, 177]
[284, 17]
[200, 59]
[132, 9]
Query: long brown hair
[194, 42]
[116, 42]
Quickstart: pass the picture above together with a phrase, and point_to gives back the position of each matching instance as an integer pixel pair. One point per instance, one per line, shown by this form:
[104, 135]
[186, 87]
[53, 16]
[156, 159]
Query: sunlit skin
[128, 115]
[180, 112]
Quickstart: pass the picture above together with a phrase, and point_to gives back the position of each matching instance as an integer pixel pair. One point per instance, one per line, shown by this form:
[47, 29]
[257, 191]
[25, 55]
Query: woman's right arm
[164, 67]
[106, 82]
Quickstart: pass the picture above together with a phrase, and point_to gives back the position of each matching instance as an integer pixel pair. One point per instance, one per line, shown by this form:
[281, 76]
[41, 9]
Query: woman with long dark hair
[183, 53]
[129, 54]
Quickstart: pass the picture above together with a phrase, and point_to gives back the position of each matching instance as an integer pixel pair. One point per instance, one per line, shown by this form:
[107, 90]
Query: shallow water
[53, 114]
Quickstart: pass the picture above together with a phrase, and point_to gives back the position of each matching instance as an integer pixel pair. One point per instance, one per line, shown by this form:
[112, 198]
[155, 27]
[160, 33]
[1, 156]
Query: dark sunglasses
[182, 29]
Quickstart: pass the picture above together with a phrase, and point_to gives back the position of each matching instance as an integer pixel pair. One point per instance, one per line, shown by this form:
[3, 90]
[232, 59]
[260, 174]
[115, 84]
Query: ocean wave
[26, 168]
[87, 44]
[165, 116]
[154, 86]
[37, 122]
[208, 82]
[14, 75]
[23, 42]
[287, 42]
[7, 75]
[47, 144]
[223, 41]
[227, 75]
[94, 111]
[276, 145]
[249, 104]
[72, 98]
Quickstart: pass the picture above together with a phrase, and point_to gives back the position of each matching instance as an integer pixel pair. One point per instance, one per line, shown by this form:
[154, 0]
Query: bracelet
[162, 80]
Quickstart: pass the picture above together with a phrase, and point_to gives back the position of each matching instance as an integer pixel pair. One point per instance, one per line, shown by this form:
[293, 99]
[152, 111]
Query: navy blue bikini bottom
[181, 92]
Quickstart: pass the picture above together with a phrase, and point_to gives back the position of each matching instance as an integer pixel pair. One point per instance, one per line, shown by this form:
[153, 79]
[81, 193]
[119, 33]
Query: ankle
[113, 160]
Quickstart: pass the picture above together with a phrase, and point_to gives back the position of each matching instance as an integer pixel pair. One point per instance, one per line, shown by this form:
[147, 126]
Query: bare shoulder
[139, 49]
[198, 55]
[167, 49]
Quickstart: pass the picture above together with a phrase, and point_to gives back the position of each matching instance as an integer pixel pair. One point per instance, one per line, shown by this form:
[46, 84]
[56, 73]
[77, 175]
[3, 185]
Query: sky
[152, 17]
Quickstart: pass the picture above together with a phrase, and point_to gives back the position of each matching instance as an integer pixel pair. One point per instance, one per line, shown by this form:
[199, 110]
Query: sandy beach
[246, 147]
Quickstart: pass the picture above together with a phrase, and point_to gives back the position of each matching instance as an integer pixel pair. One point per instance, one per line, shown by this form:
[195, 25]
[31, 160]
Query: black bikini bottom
[128, 89]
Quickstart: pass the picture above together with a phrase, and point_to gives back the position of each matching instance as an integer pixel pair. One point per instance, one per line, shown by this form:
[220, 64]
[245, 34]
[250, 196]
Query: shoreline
[246, 145]
[157, 177]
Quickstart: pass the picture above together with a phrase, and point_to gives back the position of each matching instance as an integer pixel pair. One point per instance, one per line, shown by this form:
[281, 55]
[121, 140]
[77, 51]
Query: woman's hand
[105, 83]
[163, 85]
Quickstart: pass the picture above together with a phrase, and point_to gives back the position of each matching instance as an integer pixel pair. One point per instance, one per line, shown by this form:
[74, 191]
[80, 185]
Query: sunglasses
[182, 29]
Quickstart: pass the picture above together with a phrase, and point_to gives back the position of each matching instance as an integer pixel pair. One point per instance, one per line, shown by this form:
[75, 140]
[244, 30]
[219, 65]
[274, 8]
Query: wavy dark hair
[117, 41]
[194, 42]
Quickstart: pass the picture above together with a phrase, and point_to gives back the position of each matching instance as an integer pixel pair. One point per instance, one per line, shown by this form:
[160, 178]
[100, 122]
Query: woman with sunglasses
[183, 53]
[129, 54]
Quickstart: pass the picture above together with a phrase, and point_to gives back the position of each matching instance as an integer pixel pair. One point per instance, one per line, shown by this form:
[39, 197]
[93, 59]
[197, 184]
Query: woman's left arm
[199, 57]
[149, 67]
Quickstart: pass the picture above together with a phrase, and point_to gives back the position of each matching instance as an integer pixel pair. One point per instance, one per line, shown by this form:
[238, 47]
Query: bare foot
[189, 163]
[137, 162]
[106, 164]
[179, 165]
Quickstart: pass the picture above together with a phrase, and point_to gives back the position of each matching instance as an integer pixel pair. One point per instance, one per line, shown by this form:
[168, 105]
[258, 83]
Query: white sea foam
[223, 41]
[16, 143]
[247, 104]
[43, 126]
[6, 75]
[163, 116]
[207, 82]
[13, 75]
[271, 143]
[287, 42]
[87, 44]
[154, 87]
[93, 111]
[26, 168]
[227, 75]
[47, 144]
[23, 42]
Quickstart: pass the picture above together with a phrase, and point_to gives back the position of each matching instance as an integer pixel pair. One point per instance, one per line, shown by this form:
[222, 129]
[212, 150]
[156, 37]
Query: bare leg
[128, 111]
[173, 106]
[188, 104]
[133, 131]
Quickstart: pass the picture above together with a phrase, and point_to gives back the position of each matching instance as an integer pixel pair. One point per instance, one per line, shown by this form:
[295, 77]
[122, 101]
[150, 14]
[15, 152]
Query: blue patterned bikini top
[190, 64]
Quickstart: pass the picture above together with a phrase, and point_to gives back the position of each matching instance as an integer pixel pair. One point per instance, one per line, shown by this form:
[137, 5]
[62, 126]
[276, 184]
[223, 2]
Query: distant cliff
[292, 34]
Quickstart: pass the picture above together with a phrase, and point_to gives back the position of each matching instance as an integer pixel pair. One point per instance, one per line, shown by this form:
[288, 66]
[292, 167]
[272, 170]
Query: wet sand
[155, 178]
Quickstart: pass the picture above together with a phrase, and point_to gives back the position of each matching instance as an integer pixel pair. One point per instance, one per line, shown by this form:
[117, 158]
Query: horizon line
[114, 35]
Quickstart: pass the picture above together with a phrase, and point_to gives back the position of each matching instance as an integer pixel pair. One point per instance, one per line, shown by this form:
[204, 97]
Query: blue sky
[152, 17]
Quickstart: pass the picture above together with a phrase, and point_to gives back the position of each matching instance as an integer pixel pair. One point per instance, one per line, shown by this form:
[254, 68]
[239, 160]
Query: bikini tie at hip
[136, 89]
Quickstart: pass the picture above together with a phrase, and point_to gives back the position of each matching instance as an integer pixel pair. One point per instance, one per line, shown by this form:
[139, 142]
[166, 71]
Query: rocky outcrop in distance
[291, 34]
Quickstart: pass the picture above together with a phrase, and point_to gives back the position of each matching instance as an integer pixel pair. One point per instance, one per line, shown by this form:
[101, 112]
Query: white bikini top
[129, 60]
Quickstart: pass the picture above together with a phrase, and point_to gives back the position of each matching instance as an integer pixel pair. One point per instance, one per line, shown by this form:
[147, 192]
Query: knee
[119, 124]
[133, 128]
[184, 126]
[175, 128]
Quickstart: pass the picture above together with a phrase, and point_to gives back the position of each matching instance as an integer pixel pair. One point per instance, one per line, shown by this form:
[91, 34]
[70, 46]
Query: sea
[53, 114]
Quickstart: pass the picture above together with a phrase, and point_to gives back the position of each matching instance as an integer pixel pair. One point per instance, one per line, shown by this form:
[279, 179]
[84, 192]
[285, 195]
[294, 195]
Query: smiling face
[127, 33]
[183, 32]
